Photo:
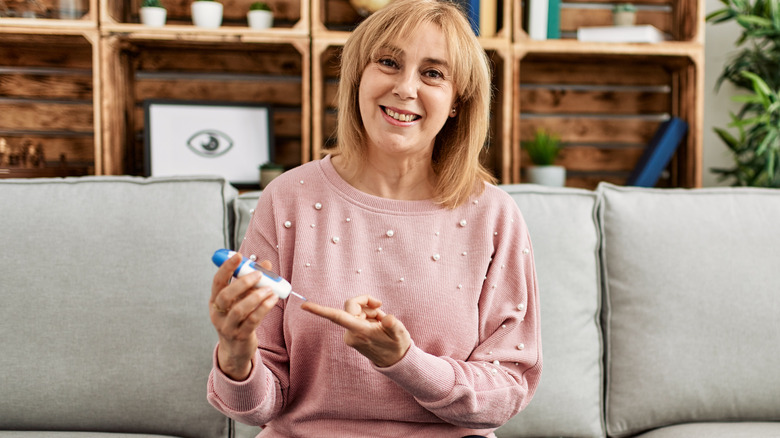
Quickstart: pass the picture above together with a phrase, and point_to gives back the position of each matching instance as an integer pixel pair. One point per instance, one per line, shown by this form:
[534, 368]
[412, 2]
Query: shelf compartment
[273, 74]
[339, 16]
[606, 108]
[49, 104]
[49, 14]
[291, 18]
[681, 20]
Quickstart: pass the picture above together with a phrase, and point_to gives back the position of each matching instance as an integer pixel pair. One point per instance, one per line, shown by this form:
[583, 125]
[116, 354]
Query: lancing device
[279, 285]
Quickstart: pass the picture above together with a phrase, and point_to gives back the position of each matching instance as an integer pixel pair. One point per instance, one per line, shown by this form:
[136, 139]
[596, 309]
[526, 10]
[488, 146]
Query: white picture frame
[207, 138]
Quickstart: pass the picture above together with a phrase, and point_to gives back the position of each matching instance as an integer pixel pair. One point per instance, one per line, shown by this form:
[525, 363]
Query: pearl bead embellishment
[520, 306]
[390, 233]
[463, 222]
[335, 239]
[520, 346]
[526, 250]
[318, 206]
[253, 257]
[496, 363]
[252, 211]
[436, 257]
[287, 224]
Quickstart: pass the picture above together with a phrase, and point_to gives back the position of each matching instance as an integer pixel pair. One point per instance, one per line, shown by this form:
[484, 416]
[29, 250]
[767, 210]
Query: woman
[401, 228]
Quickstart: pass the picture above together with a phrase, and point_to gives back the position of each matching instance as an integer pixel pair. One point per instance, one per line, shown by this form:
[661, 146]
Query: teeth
[399, 117]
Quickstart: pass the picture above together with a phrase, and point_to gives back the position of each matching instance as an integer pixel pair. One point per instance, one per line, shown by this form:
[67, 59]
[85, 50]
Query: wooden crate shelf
[681, 20]
[326, 51]
[606, 99]
[275, 74]
[291, 19]
[605, 108]
[49, 104]
[49, 15]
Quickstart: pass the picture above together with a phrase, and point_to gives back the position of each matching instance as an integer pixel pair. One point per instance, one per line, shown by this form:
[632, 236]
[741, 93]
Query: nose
[406, 85]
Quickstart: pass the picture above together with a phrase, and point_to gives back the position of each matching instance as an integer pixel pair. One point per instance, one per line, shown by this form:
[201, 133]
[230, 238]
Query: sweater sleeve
[500, 376]
[261, 397]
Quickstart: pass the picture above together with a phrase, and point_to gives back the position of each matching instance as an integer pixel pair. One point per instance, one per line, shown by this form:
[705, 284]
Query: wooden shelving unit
[49, 92]
[605, 100]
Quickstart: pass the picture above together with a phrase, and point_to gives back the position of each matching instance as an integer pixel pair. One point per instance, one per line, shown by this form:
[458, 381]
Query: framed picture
[207, 138]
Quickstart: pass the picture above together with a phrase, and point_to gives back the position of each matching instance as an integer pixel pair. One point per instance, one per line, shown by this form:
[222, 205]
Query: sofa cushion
[243, 208]
[691, 306]
[565, 236]
[104, 297]
[716, 430]
[40, 434]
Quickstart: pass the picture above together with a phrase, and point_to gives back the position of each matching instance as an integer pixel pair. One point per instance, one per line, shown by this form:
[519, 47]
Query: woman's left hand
[381, 338]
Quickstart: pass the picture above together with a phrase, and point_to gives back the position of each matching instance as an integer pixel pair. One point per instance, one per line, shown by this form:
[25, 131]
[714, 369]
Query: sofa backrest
[104, 308]
[691, 306]
[565, 236]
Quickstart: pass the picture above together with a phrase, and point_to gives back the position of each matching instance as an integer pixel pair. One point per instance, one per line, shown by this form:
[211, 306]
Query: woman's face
[407, 93]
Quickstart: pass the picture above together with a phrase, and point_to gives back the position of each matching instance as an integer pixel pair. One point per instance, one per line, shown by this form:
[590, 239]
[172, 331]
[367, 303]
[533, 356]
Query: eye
[387, 62]
[434, 74]
[209, 143]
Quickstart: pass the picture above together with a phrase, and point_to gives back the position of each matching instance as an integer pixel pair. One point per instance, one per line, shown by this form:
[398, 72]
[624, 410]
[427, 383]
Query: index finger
[337, 316]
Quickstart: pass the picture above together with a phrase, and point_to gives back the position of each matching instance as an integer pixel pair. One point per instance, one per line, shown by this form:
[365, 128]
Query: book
[658, 153]
[621, 34]
[537, 19]
[471, 9]
[488, 17]
[553, 19]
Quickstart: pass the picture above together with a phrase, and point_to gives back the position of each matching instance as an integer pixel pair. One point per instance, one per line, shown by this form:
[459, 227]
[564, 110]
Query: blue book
[471, 9]
[658, 153]
[553, 19]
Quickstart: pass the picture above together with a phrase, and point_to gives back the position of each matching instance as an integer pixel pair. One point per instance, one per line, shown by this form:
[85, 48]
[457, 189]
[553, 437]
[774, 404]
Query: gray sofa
[660, 309]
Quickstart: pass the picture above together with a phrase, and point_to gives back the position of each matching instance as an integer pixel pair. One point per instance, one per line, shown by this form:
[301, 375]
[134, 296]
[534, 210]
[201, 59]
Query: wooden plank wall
[604, 108]
[46, 104]
[247, 73]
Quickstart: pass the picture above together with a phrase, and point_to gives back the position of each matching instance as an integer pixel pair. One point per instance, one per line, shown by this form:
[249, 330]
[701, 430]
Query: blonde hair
[459, 173]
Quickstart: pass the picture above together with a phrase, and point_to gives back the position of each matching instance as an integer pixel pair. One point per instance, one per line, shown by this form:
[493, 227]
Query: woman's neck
[407, 179]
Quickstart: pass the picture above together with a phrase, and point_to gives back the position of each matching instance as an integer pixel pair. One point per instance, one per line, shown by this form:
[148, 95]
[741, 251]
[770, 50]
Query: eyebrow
[398, 51]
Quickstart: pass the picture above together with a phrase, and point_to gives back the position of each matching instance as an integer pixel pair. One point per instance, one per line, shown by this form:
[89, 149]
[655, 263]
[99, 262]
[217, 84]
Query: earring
[452, 113]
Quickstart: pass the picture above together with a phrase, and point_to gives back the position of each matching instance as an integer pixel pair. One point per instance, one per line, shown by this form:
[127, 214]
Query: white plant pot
[207, 14]
[623, 18]
[153, 16]
[260, 19]
[553, 176]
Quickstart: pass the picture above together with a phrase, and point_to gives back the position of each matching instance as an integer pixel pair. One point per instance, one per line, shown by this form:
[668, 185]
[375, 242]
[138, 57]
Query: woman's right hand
[237, 308]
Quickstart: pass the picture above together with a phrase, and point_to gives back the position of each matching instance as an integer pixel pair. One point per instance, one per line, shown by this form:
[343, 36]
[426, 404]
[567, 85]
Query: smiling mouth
[398, 116]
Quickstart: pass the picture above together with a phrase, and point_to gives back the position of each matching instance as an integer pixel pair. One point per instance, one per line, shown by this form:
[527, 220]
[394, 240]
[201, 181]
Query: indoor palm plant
[543, 149]
[755, 68]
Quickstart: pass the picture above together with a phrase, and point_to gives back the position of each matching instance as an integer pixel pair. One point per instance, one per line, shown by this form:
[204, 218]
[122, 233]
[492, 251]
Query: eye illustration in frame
[210, 143]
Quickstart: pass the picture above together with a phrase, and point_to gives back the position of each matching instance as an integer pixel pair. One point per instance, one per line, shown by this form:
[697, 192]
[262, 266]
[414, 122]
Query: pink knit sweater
[462, 281]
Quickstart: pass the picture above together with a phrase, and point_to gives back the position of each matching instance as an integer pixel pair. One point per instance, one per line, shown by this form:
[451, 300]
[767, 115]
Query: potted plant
[755, 68]
[260, 16]
[207, 13]
[153, 13]
[543, 150]
[624, 14]
[268, 172]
